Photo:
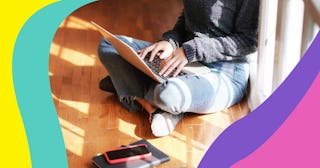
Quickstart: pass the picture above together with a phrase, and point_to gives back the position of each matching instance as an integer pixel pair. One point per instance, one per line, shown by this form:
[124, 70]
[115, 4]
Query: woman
[217, 33]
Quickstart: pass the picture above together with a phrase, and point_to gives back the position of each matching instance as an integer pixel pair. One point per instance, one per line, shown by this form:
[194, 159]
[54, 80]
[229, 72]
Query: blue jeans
[202, 93]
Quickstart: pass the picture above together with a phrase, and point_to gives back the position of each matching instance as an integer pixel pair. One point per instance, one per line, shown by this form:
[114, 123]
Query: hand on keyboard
[162, 60]
[161, 49]
[175, 62]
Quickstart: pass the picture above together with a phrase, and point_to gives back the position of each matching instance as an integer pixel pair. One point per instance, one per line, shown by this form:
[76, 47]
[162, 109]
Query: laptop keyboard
[155, 66]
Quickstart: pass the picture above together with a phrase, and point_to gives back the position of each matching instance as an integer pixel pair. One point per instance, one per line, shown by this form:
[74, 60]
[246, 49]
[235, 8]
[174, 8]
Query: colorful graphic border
[255, 134]
[248, 134]
[32, 87]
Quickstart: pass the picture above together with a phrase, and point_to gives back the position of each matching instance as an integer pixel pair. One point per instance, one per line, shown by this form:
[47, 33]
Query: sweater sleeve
[242, 41]
[176, 36]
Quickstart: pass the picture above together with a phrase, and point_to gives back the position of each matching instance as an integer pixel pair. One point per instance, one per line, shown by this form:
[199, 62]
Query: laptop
[149, 68]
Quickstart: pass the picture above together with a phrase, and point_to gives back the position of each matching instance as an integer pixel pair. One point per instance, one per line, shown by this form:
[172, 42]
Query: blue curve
[246, 135]
[32, 87]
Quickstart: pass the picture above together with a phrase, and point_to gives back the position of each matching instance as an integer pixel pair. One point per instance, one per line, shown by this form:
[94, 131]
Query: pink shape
[296, 144]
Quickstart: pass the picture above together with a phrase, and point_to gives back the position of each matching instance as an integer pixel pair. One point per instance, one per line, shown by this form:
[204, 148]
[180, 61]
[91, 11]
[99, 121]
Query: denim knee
[106, 51]
[171, 96]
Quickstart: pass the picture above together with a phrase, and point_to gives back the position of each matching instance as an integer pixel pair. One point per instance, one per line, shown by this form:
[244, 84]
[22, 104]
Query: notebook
[150, 69]
[157, 158]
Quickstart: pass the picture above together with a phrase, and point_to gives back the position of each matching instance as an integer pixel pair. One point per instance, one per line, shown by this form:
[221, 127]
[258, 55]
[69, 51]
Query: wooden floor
[93, 121]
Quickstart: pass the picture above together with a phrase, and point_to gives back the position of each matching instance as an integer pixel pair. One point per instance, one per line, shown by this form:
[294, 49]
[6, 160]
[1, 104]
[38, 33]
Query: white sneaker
[163, 123]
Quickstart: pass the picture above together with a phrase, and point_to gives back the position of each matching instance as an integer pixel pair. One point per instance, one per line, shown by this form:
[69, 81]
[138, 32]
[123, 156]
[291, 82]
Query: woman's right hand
[163, 49]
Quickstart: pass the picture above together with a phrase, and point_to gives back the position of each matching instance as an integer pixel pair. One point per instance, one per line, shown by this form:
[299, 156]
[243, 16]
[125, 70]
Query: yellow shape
[13, 141]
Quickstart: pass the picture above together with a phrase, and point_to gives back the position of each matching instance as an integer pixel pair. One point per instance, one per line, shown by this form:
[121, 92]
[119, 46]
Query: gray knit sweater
[216, 30]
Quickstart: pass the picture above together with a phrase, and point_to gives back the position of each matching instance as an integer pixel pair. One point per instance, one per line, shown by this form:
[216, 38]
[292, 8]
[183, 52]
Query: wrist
[190, 51]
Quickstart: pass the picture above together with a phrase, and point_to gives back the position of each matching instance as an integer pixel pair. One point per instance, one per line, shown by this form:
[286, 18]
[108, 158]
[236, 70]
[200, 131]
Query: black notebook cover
[157, 158]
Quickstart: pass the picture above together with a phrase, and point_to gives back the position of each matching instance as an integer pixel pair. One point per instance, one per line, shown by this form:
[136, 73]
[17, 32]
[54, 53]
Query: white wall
[287, 27]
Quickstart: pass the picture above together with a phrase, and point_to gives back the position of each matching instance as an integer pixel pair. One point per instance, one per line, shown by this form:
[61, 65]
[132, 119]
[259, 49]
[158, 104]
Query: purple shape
[247, 134]
[296, 143]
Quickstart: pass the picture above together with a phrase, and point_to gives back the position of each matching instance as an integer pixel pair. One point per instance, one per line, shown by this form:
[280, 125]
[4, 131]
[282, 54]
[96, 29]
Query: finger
[171, 68]
[166, 65]
[165, 54]
[145, 51]
[163, 63]
[155, 51]
[179, 68]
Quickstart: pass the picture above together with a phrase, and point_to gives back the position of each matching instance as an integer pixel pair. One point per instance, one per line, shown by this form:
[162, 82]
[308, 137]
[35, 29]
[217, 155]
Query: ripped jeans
[204, 93]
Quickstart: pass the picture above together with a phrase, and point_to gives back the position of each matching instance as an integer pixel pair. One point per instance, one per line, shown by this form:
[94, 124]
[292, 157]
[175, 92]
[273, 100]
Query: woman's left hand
[176, 61]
